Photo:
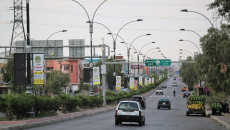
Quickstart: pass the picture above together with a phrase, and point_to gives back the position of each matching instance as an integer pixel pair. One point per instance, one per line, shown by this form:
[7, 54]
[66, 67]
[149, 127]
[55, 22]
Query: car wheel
[144, 122]
[116, 122]
[187, 113]
[158, 107]
[140, 123]
[169, 108]
[204, 114]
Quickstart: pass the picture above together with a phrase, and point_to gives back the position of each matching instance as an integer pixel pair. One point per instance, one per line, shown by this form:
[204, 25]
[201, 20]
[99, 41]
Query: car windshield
[128, 106]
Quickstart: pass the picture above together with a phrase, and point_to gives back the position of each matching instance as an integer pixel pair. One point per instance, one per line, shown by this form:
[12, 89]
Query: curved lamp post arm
[106, 28]
[190, 31]
[154, 52]
[192, 43]
[203, 16]
[125, 25]
[55, 33]
[97, 9]
[138, 37]
[185, 10]
[145, 45]
[83, 8]
[150, 50]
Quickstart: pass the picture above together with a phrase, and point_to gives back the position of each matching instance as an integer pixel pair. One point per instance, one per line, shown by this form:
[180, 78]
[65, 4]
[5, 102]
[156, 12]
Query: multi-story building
[69, 66]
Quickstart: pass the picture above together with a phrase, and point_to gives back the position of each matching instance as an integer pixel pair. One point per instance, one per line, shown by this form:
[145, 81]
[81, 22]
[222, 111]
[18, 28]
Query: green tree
[110, 69]
[8, 77]
[189, 73]
[223, 7]
[56, 81]
[216, 63]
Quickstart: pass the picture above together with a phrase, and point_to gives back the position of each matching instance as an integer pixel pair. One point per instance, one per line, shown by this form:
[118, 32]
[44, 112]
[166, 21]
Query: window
[49, 68]
[71, 69]
[66, 68]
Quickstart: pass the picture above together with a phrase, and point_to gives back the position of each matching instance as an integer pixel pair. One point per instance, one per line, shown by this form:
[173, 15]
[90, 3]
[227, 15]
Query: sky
[161, 18]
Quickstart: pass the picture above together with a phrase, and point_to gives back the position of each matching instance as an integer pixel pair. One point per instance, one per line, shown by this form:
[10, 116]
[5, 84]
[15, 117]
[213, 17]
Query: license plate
[164, 103]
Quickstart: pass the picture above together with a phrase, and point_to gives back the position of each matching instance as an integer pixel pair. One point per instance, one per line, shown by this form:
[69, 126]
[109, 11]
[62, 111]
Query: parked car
[159, 91]
[164, 103]
[129, 111]
[164, 86]
[186, 94]
[139, 99]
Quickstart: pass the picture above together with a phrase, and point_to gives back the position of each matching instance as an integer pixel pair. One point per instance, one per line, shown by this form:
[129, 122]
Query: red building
[69, 66]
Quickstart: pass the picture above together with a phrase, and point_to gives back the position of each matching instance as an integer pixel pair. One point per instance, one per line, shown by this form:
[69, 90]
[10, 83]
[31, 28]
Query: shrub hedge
[20, 105]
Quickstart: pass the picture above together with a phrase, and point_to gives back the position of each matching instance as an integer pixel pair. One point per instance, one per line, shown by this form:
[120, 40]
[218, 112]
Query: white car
[159, 91]
[129, 111]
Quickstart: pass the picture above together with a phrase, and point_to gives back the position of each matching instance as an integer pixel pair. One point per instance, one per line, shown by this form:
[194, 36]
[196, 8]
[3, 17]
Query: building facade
[72, 67]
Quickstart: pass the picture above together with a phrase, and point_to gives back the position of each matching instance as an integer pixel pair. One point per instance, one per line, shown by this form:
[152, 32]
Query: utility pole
[18, 26]
[29, 88]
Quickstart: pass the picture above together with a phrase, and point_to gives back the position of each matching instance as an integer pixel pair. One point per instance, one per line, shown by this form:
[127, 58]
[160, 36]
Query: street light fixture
[192, 43]
[185, 10]
[182, 29]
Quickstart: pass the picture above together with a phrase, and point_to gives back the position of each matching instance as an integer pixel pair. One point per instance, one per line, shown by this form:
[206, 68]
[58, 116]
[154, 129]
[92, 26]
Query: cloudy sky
[161, 18]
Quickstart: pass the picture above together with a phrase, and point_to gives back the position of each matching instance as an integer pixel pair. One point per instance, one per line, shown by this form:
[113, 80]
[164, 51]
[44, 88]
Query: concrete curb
[220, 121]
[25, 124]
[50, 120]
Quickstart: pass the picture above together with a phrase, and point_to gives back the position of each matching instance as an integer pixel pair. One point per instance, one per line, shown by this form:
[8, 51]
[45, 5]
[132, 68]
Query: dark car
[164, 103]
[139, 99]
[186, 94]
[164, 86]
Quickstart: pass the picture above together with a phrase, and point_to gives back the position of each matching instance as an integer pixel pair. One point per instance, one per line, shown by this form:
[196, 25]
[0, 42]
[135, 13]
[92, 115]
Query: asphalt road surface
[163, 119]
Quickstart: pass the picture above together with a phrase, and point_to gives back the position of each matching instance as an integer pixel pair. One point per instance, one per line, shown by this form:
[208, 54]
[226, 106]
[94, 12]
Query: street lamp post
[132, 43]
[114, 41]
[182, 29]
[47, 50]
[91, 38]
[188, 52]
[185, 10]
[192, 43]
[29, 88]
[138, 71]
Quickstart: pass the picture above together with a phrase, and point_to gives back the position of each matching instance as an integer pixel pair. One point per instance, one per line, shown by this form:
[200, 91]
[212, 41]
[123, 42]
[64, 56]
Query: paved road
[163, 119]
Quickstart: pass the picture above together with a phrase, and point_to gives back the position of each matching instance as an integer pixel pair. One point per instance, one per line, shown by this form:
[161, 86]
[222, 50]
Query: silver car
[129, 111]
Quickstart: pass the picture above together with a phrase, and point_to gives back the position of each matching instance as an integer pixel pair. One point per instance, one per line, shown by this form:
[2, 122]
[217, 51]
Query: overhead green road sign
[158, 62]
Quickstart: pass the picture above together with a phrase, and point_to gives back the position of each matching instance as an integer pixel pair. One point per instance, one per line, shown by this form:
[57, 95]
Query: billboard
[38, 69]
[76, 51]
[55, 48]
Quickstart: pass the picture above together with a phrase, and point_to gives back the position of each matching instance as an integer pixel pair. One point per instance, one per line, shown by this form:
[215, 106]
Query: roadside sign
[205, 89]
[158, 62]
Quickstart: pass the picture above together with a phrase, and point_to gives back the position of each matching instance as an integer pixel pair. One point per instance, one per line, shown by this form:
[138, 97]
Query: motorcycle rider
[174, 92]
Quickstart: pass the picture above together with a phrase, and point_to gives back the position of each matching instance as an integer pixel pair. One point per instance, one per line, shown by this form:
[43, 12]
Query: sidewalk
[223, 119]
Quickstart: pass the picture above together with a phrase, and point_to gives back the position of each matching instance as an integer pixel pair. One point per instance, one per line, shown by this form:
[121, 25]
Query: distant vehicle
[186, 94]
[175, 84]
[174, 78]
[164, 103]
[129, 111]
[139, 99]
[159, 91]
[164, 86]
[183, 88]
